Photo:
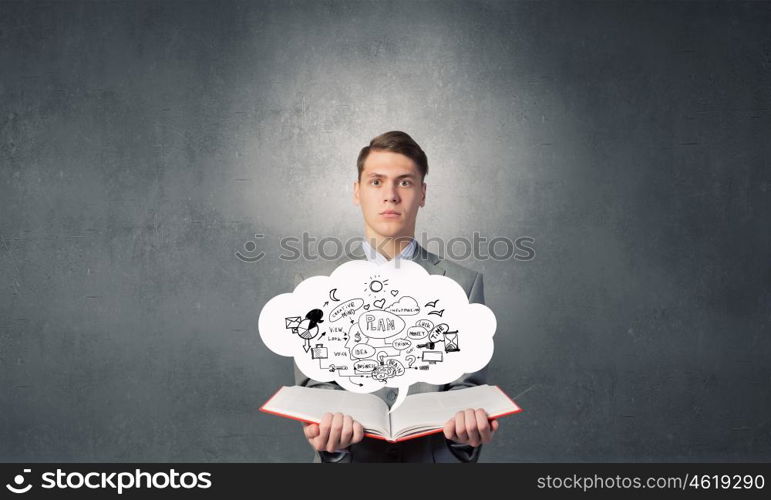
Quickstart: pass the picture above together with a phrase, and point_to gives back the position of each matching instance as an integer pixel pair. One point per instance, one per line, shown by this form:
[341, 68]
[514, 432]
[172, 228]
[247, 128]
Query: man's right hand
[335, 432]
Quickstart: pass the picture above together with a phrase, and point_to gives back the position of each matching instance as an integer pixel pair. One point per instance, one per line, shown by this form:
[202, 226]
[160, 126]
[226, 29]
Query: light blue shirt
[374, 256]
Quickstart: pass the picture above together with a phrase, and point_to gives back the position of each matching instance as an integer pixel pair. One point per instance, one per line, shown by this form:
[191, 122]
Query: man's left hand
[470, 427]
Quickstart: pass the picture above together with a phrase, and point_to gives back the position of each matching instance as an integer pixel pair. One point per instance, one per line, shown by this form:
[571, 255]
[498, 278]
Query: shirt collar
[374, 256]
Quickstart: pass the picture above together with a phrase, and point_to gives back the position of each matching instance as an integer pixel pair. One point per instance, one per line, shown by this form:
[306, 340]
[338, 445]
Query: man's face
[389, 192]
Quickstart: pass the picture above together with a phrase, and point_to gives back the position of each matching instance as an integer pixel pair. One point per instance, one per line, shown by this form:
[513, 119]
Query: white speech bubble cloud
[369, 326]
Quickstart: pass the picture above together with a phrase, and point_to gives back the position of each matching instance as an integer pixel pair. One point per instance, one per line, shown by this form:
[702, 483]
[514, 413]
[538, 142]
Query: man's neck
[388, 246]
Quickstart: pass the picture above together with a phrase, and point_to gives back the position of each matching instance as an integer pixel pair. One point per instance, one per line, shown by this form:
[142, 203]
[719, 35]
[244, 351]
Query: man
[390, 190]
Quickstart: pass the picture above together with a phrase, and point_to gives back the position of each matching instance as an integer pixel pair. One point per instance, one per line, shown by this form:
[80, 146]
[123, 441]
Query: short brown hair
[396, 142]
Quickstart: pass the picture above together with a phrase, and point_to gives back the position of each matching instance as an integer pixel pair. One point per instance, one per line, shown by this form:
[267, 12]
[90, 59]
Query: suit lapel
[430, 262]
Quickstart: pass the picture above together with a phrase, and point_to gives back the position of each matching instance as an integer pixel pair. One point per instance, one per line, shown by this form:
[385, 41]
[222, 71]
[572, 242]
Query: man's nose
[392, 194]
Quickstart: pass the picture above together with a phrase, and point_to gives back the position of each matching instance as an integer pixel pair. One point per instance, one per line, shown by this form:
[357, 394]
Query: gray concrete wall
[143, 144]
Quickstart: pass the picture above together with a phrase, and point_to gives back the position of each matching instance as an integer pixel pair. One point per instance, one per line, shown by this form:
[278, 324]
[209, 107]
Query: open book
[420, 414]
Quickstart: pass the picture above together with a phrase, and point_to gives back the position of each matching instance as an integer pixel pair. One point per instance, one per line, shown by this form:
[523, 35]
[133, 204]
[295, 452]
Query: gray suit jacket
[431, 448]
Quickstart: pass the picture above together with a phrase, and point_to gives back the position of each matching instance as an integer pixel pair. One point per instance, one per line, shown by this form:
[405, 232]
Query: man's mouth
[390, 214]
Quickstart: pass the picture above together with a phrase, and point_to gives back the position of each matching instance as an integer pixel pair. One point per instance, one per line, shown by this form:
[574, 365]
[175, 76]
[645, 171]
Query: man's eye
[376, 182]
[406, 183]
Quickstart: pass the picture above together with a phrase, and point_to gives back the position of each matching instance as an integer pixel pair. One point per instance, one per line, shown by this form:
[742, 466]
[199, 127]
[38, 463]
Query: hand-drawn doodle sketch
[365, 338]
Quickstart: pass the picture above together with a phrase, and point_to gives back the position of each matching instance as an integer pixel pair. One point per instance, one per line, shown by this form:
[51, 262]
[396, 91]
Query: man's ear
[355, 192]
[423, 196]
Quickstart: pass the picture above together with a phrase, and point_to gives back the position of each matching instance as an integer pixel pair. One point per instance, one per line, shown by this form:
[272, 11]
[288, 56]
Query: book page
[309, 403]
[430, 410]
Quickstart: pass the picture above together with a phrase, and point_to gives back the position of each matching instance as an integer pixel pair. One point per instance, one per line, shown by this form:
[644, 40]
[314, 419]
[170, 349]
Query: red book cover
[412, 436]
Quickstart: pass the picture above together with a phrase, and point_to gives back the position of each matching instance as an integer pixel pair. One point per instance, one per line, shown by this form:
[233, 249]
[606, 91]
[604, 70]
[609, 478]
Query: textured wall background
[143, 144]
